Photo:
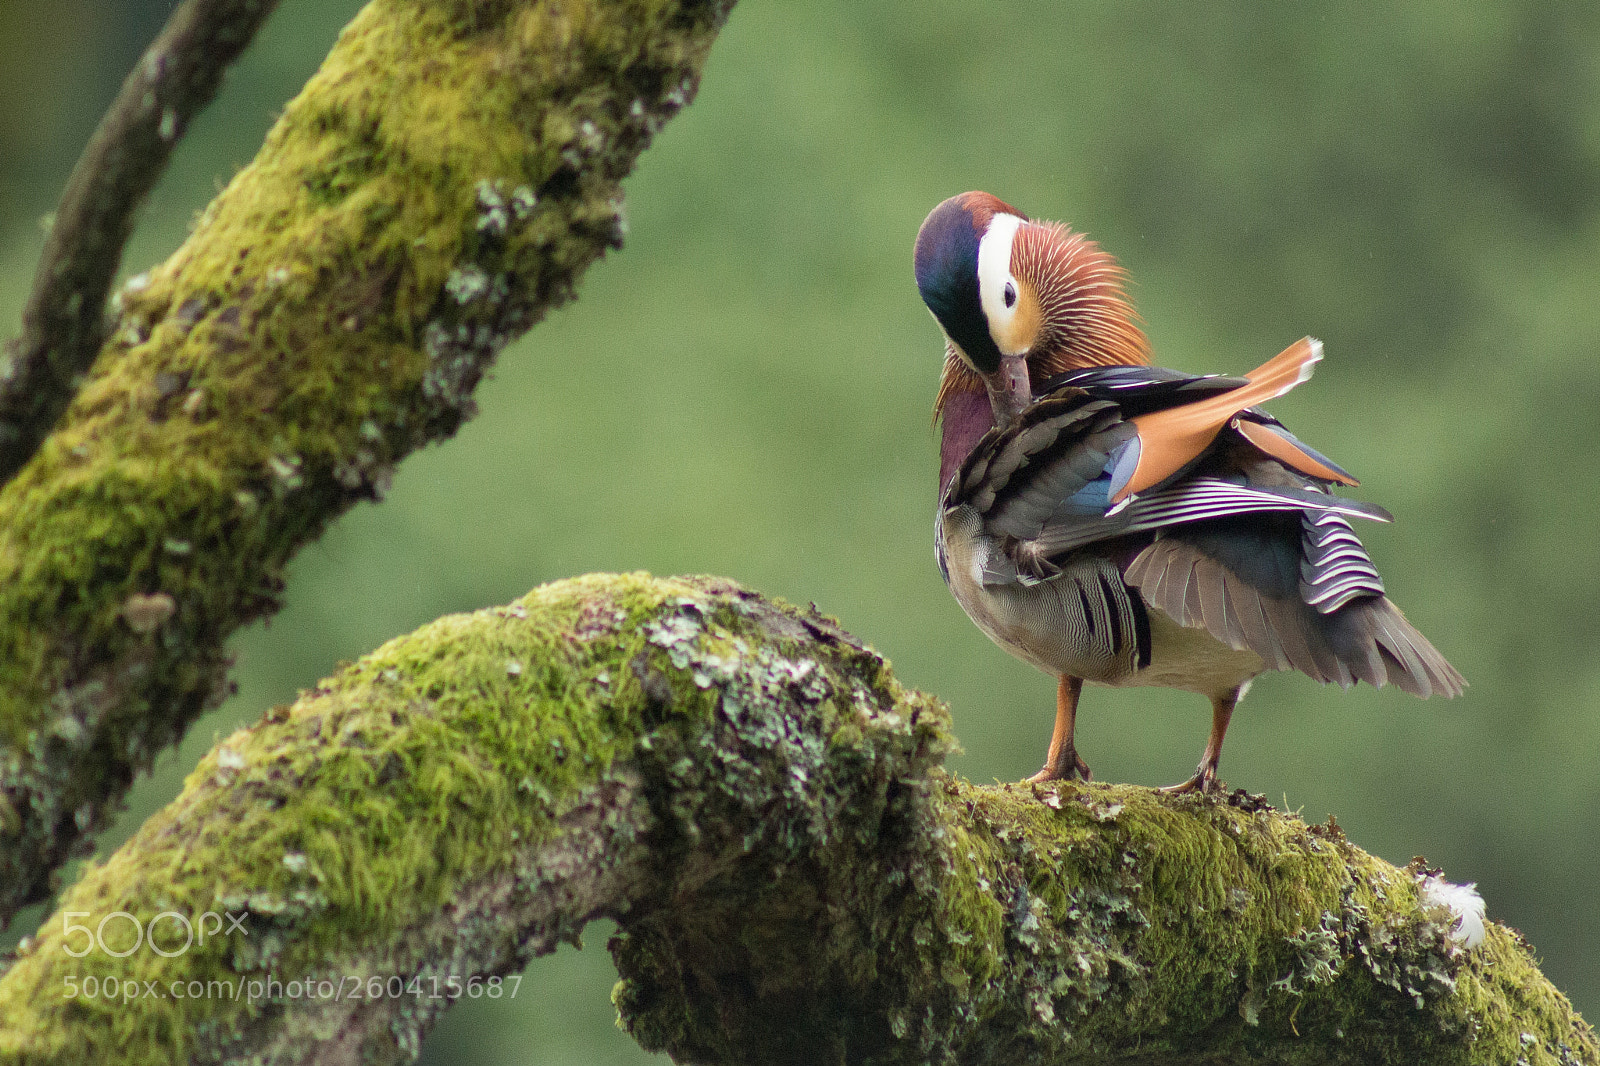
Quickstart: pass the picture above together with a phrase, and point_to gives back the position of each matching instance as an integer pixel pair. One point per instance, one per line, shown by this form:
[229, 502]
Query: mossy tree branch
[63, 320]
[750, 794]
[441, 183]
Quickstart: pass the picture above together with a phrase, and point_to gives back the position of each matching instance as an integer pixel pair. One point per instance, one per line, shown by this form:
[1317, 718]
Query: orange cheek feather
[1023, 329]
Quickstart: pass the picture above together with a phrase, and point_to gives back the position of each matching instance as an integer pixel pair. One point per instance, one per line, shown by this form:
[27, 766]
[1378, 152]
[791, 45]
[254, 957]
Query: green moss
[1077, 923]
[442, 182]
[336, 824]
[796, 880]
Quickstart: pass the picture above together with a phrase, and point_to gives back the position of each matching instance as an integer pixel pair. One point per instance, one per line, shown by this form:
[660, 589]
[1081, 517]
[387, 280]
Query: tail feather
[1368, 639]
[1412, 662]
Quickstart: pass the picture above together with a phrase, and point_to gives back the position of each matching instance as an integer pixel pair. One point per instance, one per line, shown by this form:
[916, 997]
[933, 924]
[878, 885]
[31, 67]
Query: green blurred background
[745, 389]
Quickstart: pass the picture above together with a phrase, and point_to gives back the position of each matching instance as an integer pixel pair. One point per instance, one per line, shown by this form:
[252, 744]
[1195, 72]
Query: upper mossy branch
[748, 792]
[64, 317]
[442, 182]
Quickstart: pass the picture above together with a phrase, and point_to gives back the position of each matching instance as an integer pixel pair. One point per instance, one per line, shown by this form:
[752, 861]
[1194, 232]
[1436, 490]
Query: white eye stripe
[994, 268]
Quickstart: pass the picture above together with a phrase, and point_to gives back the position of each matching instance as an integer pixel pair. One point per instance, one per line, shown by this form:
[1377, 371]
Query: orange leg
[1205, 777]
[1061, 762]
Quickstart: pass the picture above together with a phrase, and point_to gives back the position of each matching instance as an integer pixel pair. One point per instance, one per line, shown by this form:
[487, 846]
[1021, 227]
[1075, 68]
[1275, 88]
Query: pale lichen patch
[145, 612]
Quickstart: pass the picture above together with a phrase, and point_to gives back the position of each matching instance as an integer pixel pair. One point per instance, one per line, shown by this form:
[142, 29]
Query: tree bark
[441, 183]
[748, 792]
[63, 323]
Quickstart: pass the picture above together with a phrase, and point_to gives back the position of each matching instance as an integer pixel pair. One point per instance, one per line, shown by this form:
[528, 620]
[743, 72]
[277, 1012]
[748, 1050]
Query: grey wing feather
[1043, 467]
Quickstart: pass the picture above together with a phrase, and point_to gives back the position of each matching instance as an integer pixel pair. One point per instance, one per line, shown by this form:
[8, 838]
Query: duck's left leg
[1061, 762]
[1205, 777]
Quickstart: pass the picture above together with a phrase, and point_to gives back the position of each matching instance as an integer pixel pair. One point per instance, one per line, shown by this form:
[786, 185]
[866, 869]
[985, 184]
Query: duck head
[1019, 301]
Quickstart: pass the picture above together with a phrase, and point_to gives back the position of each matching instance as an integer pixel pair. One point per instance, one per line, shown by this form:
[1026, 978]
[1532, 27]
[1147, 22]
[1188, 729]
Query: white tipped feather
[1305, 371]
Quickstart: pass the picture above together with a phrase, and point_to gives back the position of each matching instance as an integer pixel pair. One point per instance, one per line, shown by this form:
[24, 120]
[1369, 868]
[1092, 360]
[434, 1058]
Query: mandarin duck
[1111, 521]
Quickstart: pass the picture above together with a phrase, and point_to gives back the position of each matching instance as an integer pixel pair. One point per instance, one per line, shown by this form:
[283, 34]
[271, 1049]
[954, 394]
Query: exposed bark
[441, 183]
[749, 793]
[63, 322]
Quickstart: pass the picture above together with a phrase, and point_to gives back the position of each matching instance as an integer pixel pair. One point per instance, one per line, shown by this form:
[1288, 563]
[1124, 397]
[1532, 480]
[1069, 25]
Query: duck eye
[1011, 294]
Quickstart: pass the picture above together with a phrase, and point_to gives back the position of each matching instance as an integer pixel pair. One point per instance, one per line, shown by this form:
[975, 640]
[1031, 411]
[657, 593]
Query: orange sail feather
[1171, 439]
